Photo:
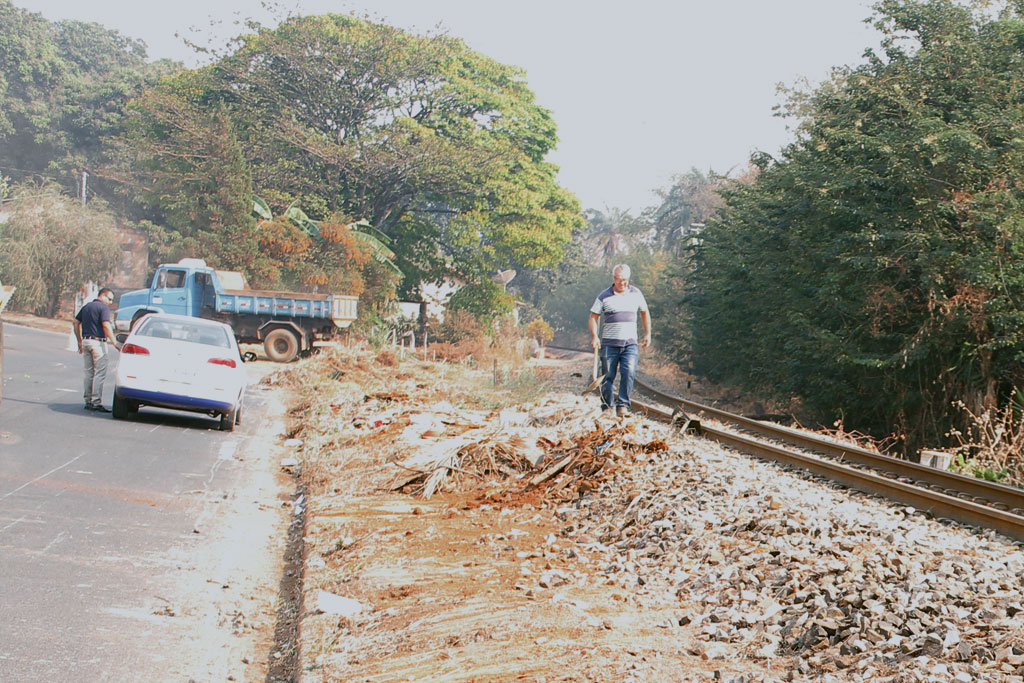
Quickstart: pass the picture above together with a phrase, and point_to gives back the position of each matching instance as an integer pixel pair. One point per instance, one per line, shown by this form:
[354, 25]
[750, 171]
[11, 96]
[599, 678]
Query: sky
[640, 89]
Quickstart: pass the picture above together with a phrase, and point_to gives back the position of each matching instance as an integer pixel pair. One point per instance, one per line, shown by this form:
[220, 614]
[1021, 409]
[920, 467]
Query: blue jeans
[621, 360]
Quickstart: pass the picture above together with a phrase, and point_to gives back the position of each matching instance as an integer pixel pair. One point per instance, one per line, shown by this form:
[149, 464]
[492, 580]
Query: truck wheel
[282, 346]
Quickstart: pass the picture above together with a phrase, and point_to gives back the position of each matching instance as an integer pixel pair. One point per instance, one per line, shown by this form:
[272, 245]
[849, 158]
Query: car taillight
[222, 361]
[136, 349]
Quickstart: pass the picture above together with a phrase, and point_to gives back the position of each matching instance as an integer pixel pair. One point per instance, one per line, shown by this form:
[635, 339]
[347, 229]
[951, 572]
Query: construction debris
[662, 557]
[515, 449]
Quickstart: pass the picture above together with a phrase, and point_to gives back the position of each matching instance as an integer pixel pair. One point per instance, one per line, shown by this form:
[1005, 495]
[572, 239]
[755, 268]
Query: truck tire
[282, 346]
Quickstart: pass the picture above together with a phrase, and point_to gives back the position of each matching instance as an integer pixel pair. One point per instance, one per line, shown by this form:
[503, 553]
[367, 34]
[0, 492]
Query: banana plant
[368, 235]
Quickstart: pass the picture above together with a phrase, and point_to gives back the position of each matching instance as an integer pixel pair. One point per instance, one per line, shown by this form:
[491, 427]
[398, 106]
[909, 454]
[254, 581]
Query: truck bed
[339, 308]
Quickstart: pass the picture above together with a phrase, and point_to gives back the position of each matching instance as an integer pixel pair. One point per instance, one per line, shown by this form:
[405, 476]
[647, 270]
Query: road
[143, 550]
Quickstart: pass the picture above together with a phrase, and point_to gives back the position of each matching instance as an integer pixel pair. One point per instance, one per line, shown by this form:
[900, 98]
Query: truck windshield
[170, 279]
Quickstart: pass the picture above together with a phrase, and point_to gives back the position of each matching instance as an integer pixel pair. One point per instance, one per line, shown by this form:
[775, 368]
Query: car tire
[282, 346]
[238, 414]
[227, 420]
[120, 411]
[133, 407]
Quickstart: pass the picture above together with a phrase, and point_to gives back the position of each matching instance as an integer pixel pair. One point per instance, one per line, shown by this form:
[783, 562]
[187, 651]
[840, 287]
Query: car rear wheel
[227, 420]
[282, 346]
[120, 411]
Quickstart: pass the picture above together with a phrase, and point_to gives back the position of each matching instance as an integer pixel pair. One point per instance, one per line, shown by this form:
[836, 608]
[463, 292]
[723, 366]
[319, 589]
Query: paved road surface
[99, 521]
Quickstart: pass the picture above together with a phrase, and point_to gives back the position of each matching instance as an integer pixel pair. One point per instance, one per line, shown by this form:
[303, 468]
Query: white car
[180, 362]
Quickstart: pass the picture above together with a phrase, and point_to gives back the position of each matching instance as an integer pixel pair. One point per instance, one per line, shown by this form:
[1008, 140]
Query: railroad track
[942, 494]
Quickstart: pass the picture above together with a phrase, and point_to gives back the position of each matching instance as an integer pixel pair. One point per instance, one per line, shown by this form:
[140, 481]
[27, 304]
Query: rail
[941, 493]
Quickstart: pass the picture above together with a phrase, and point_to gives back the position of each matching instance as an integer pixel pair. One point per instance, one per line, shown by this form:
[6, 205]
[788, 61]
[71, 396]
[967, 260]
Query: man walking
[619, 304]
[93, 330]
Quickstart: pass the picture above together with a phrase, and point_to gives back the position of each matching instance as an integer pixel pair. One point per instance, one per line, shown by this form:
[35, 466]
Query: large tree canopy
[438, 147]
[876, 269]
[63, 88]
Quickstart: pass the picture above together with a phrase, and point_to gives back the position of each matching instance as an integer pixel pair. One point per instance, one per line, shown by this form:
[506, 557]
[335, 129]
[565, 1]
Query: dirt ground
[479, 582]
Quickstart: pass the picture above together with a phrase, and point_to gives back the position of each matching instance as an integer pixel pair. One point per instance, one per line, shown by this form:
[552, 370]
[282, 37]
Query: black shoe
[101, 409]
[89, 406]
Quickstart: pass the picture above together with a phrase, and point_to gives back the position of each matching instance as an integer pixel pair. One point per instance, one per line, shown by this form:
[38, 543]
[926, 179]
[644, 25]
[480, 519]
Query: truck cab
[181, 288]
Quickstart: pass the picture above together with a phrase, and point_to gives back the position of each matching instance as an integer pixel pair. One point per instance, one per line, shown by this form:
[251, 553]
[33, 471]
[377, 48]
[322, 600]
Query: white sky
[640, 90]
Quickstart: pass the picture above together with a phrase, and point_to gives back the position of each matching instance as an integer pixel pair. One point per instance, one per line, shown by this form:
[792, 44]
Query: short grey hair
[623, 270]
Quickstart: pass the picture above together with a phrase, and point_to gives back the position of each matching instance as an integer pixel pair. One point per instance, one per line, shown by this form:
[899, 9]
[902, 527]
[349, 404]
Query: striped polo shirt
[620, 312]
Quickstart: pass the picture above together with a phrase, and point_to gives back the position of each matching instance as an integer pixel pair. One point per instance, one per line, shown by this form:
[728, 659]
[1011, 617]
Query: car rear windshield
[197, 333]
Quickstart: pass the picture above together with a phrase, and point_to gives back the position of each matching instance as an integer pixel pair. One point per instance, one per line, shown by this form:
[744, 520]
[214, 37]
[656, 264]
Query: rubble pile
[762, 568]
[766, 564]
[562, 445]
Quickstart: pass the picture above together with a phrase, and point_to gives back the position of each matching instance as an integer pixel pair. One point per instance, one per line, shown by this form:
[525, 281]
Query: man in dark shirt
[93, 330]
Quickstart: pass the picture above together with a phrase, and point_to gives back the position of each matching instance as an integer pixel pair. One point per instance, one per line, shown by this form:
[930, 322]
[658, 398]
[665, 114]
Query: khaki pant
[94, 352]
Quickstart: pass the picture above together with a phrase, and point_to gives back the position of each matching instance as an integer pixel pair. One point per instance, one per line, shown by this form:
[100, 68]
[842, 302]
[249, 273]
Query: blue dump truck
[286, 323]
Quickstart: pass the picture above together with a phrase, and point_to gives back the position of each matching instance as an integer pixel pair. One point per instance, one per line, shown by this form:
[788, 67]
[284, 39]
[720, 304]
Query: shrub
[540, 330]
[457, 327]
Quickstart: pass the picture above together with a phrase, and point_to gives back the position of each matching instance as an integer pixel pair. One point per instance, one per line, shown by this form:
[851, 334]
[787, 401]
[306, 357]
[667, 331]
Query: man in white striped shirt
[620, 305]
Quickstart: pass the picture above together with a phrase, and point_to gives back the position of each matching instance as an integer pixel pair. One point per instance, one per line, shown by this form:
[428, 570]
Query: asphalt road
[99, 519]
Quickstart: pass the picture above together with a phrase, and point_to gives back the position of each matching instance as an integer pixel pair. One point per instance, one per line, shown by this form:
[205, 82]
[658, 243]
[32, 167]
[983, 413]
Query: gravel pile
[766, 563]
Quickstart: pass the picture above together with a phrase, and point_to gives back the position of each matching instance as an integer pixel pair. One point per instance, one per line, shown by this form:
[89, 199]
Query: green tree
[684, 208]
[63, 90]
[440, 148]
[50, 246]
[189, 171]
[875, 269]
[612, 232]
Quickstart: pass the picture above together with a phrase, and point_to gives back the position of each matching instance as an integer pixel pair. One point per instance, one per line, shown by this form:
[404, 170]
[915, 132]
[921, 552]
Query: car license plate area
[180, 375]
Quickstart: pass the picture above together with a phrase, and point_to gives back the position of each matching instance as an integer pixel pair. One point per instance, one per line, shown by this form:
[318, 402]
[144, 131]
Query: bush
[540, 330]
[50, 246]
[457, 327]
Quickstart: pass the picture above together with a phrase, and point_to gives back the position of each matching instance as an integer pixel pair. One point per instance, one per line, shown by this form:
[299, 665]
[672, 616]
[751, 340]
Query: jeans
[621, 360]
[95, 355]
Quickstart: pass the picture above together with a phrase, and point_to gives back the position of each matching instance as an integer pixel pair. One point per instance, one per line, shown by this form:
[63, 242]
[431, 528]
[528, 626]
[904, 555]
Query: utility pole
[5, 294]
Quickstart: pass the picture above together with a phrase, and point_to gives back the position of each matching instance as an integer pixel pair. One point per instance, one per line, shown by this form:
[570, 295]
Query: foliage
[193, 178]
[992, 444]
[439, 148]
[540, 330]
[63, 89]
[567, 308]
[51, 245]
[335, 253]
[456, 327]
[972, 467]
[485, 300]
[610, 233]
[875, 269]
[685, 207]
[376, 331]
